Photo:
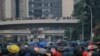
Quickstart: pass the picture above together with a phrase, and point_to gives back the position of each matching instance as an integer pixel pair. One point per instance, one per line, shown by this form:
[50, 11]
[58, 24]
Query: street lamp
[91, 20]
[83, 28]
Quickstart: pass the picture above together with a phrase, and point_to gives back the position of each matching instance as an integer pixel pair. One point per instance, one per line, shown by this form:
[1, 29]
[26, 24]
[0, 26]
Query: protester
[96, 50]
[4, 51]
[78, 51]
[41, 48]
[91, 48]
[55, 52]
[85, 53]
[40, 51]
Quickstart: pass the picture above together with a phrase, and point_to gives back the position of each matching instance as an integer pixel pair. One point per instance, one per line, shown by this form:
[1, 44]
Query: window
[45, 0]
[31, 12]
[38, 13]
[32, 0]
[51, 5]
[45, 4]
[37, 4]
[46, 12]
[32, 5]
[38, 0]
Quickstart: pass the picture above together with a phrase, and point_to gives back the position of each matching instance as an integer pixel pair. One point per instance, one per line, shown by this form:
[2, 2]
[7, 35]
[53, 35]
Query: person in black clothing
[96, 50]
[28, 51]
[4, 51]
[78, 51]
[96, 53]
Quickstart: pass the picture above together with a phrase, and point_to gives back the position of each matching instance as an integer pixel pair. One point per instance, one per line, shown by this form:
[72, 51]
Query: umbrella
[92, 47]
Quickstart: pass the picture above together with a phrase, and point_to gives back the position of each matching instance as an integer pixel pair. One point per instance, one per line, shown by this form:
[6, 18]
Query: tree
[97, 29]
[74, 35]
[78, 9]
[71, 33]
[84, 14]
[96, 38]
[94, 4]
[67, 33]
[96, 12]
[97, 33]
[79, 14]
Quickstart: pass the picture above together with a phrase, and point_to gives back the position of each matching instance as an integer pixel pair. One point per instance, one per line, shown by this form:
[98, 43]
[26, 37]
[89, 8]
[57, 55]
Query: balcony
[40, 21]
[53, 31]
[27, 32]
[14, 32]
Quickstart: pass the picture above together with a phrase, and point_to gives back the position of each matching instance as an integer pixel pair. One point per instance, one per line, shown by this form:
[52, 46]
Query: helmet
[13, 48]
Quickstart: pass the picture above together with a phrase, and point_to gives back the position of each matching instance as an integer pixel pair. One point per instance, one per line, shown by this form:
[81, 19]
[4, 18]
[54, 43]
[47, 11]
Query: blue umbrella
[43, 44]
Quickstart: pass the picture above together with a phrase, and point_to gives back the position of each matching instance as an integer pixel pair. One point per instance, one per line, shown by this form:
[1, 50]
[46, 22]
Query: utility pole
[91, 37]
[83, 28]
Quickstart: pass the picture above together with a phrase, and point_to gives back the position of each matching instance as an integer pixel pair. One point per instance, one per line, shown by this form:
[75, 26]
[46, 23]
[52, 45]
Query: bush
[96, 38]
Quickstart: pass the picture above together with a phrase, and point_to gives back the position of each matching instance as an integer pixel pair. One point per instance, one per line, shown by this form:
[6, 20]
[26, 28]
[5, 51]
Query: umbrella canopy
[92, 47]
[43, 44]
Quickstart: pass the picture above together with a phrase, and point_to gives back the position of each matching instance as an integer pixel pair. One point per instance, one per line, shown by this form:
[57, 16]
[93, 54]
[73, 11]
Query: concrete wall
[8, 12]
[23, 8]
[67, 7]
[38, 21]
[1, 8]
[13, 8]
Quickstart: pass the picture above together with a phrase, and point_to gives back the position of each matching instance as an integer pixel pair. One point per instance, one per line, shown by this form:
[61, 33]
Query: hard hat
[13, 48]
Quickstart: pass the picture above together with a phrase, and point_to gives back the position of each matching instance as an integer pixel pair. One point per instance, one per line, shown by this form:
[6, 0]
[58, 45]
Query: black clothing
[96, 53]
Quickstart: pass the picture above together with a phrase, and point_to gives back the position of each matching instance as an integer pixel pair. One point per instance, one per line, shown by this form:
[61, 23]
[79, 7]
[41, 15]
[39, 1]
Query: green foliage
[79, 14]
[79, 8]
[74, 35]
[67, 32]
[71, 33]
[83, 13]
[96, 38]
[96, 11]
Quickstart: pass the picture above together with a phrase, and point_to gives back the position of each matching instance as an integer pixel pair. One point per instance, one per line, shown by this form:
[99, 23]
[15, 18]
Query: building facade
[17, 8]
[52, 28]
[1, 8]
[67, 8]
[45, 8]
[7, 9]
[36, 8]
[10, 9]
[23, 8]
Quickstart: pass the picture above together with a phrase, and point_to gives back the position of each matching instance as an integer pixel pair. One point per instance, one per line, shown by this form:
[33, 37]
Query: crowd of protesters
[34, 48]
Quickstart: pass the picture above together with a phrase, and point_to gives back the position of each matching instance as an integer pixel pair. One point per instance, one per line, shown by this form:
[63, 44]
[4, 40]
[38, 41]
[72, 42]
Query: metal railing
[29, 31]
[35, 18]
